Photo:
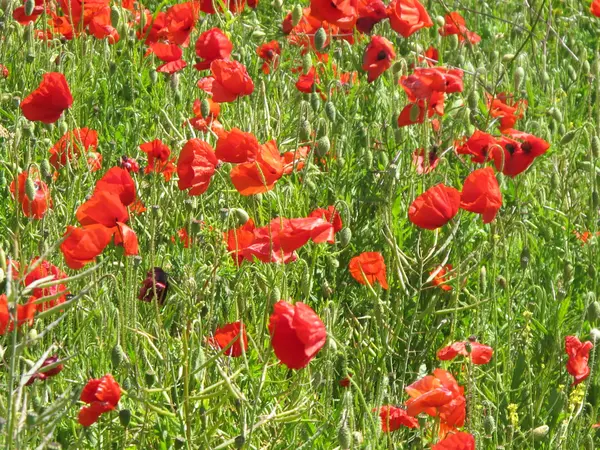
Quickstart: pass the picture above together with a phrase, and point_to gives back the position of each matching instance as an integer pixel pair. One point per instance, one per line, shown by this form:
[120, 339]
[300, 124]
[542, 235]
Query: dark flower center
[510, 148]
[382, 55]
[526, 146]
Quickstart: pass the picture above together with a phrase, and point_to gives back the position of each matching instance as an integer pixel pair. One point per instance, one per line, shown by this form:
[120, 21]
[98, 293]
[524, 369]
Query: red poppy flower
[155, 286]
[47, 103]
[269, 52]
[431, 57]
[345, 382]
[203, 124]
[306, 81]
[4, 72]
[225, 335]
[303, 34]
[42, 374]
[478, 146]
[393, 418]
[481, 194]
[378, 57]
[425, 163]
[440, 278]
[230, 81]
[408, 16]
[454, 24]
[117, 181]
[102, 395]
[294, 233]
[126, 238]
[480, 354]
[435, 105]
[196, 166]
[435, 207]
[104, 208]
[260, 175]
[24, 314]
[24, 19]
[83, 245]
[330, 215]
[211, 45]
[425, 81]
[579, 354]
[370, 13]
[297, 333]
[438, 395]
[179, 22]
[456, 441]
[595, 8]
[158, 158]
[100, 25]
[239, 239]
[237, 146]
[41, 270]
[369, 267]
[41, 201]
[294, 160]
[505, 108]
[73, 144]
[342, 13]
[516, 153]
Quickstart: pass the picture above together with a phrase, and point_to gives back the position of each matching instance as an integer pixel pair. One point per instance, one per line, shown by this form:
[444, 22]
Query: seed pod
[572, 73]
[29, 7]
[320, 38]
[345, 437]
[525, 258]
[125, 417]
[415, 111]
[323, 146]
[30, 189]
[593, 312]
[518, 78]
[297, 14]
[489, 425]
[473, 99]
[568, 137]
[315, 101]
[305, 129]
[345, 236]
[540, 433]
[117, 356]
[241, 215]
[330, 111]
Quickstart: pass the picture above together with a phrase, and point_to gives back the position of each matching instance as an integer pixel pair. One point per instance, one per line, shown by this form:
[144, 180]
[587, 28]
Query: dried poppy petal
[481, 194]
[225, 335]
[435, 207]
[369, 267]
[47, 103]
[297, 333]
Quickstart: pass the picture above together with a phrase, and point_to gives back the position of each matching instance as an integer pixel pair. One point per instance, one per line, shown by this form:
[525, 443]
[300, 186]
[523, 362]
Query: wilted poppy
[231, 336]
[480, 354]
[481, 194]
[440, 277]
[155, 286]
[211, 45]
[118, 181]
[39, 203]
[393, 418]
[47, 103]
[237, 146]
[24, 314]
[378, 57]
[269, 52]
[43, 269]
[230, 80]
[158, 158]
[83, 245]
[42, 374]
[438, 395]
[456, 441]
[73, 144]
[579, 354]
[196, 166]
[297, 333]
[368, 268]
[424, 161]
[330, 215]
[454, 24]
[102, 395]
[259, 176]
[504, 107]
[435, 207]
[370, 13]
[408, 16]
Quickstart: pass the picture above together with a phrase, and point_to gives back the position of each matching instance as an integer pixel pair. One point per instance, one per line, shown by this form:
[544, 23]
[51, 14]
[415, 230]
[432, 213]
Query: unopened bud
[117, 356]
[330, 111]
[323, 146]
[345, 236]
[568, 137]
[540, 433]
[518, 78]
[345, 437]
[320, 38]
[305, 129]
[30, 189]
[29, 7]
[297, 15]
[125, 417]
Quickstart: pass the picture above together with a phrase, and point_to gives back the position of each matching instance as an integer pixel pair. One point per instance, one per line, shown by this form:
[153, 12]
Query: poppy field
[324, 224]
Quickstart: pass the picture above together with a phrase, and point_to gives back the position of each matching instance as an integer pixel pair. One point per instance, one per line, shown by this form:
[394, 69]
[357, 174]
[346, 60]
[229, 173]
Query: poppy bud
[368, 158]
[414, 112]
[321, 128]
[320, 38]
[572, 73]
[524, 258]
[114, 16]
[345, 236]
[330, 111]
[518, 77]
[398, 67]
[310, 184]
[315, 101]
[568, 272]
[277, 4]
[125, 417]
[31, 418]
[306, 63]
[595, 199]
[440, 21]
[540, 433]
[556, 114]
[45, 169]
[593, 311]
[489, 425]
[241, 215]
[33, 334]
[30, 189]
[595, 146]
[305, 130]
[473, 99]
[595, 334]
[149, 378]
[297, 14]
[239, 441]
[323, 146]
[501, 281]
[453, 42]
[568, 137]
[585, 68]
[117, 356]
[344, 437]
[326, 289]
[153, 76]
[275, 296]
[596, 67]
